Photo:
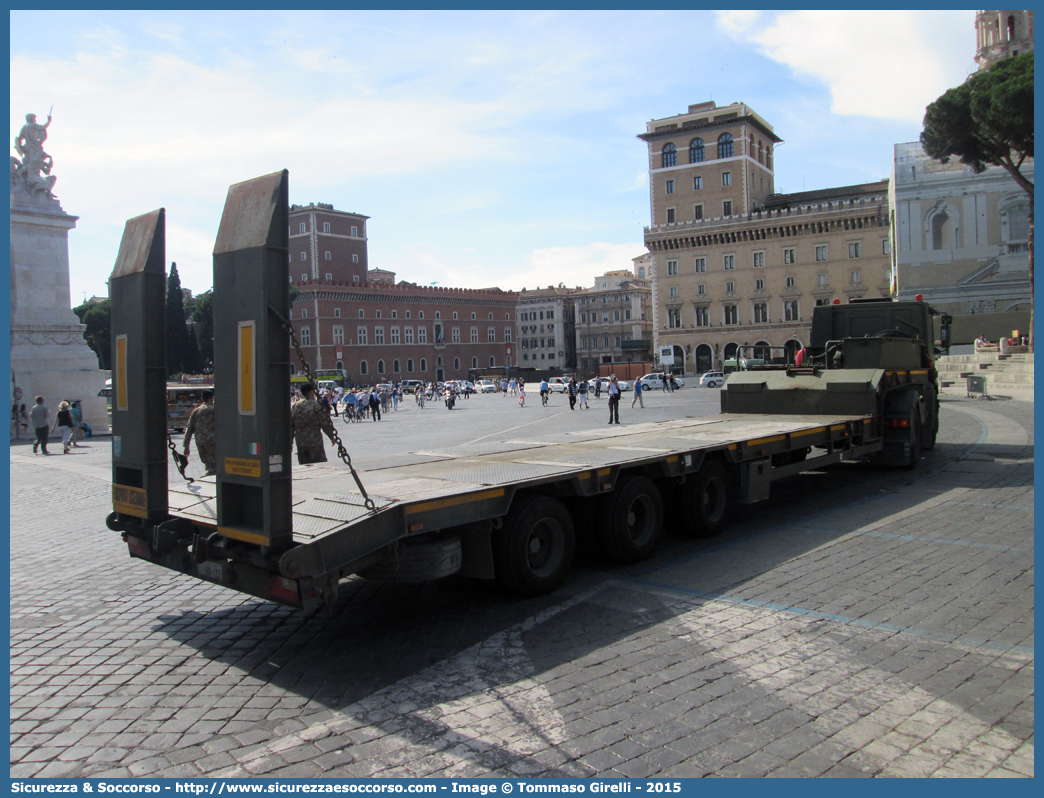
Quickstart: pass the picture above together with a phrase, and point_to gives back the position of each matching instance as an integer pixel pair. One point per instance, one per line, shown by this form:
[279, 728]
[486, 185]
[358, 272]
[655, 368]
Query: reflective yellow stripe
[756, 441]
[452, 501]
[836, 427]
[603, 471]
[246, 537]
[584, 475]
[672, 459]
[808, 431]
[733, 446]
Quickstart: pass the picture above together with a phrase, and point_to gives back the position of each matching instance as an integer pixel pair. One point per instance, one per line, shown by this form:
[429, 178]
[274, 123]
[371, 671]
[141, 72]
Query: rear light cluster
[897, 423]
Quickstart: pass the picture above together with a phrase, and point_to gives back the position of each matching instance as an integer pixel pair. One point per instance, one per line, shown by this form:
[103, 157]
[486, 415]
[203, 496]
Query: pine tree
[177, 332]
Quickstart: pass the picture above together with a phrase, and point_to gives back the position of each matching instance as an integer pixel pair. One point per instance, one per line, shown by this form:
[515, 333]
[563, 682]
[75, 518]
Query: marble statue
[32, 174]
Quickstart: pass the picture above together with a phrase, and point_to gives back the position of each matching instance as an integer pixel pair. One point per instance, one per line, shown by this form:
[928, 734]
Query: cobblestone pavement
[863, 622]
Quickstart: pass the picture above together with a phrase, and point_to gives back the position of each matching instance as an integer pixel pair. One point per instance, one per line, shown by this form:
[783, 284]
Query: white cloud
[885, 64]
[577, 265]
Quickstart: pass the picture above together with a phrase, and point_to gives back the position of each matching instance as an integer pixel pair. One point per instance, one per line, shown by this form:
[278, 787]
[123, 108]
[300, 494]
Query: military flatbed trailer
[509, 510]
[440, 511]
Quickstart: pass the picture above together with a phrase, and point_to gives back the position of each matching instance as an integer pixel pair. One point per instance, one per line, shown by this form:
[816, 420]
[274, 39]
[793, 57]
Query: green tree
[180, 352]
[988, 121]
[98, 335]
[202, 316]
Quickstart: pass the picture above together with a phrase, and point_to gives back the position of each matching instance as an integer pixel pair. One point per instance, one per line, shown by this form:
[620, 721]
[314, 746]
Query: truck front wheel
[704, 501]
[630, 520]
[930, 430]
[534, 549]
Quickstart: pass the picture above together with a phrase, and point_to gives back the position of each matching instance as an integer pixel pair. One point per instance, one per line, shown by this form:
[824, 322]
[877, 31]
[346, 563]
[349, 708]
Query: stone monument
[49, 356]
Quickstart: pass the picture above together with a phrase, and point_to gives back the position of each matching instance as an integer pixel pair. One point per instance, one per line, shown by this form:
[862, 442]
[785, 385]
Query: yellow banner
[243, 467]
[121, 372]
[131, 501]
[246, 368]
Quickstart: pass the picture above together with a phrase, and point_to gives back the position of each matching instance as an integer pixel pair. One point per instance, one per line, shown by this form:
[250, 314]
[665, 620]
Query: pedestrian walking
[638, 395]
[375, 404]
[308, 422]
[202, 425]
[582, 394]
[598, 387]
[77, 417]
[614, 400]
[38, 419]
[23, 415]
[663, 381]
[521, 394]
[63, 423]
[572, 393]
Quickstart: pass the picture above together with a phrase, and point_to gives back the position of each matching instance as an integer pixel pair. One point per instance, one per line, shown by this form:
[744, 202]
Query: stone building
[614, 319]
[732, 263]
[963, 238]
[1002, 34]
[546, 328]
[375, 329]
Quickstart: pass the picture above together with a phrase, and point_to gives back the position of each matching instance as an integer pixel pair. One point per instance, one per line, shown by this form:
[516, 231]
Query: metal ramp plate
[501, 473]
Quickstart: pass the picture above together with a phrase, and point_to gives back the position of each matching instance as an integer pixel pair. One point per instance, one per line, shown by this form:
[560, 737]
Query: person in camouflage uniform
[309, 421]
[201, 424]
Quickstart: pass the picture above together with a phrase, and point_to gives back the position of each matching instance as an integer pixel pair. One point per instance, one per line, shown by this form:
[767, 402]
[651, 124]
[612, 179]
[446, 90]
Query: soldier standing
[202, 424]
[309, 422]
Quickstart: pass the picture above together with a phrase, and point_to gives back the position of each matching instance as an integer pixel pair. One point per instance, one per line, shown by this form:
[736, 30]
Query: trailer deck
[418, 481]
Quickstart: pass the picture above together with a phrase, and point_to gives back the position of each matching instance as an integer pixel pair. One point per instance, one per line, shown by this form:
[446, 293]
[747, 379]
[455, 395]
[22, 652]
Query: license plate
[212, 570]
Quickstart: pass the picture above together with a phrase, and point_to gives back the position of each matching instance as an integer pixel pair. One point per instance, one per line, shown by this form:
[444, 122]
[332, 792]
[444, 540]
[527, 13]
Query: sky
[488, 148]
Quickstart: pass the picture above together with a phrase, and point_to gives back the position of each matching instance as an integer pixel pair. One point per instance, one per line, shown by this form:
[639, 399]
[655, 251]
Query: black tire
[915, 439]
[931, 431]
[705, 501]
[630, 520]
[534, 549]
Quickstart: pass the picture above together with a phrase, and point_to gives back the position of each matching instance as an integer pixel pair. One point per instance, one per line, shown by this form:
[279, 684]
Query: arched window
[340, 366]
[750, 145]
[763, 350]
[641, 273]
[704, 358]
[725, 145]
[1011, 28]
[670, 155]
[474, 362]
[696, 151]
[409, 365]
[730, 350]
[424, 364]
[760, 160]
[792, 346]
[492, 361]
[456, 364]
[939, 230]
[395, 367]
[380, 366]
[363, 368]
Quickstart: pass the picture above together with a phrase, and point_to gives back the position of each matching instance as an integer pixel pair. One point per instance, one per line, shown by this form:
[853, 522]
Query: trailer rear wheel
[704, 501]
[532, 552]
[630, 520]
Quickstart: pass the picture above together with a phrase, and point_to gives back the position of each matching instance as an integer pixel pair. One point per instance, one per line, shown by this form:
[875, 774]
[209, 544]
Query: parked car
[486, 386]
[411, 386]
[652, 382]
[624, 385]
[713, 379]
[557, 385]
